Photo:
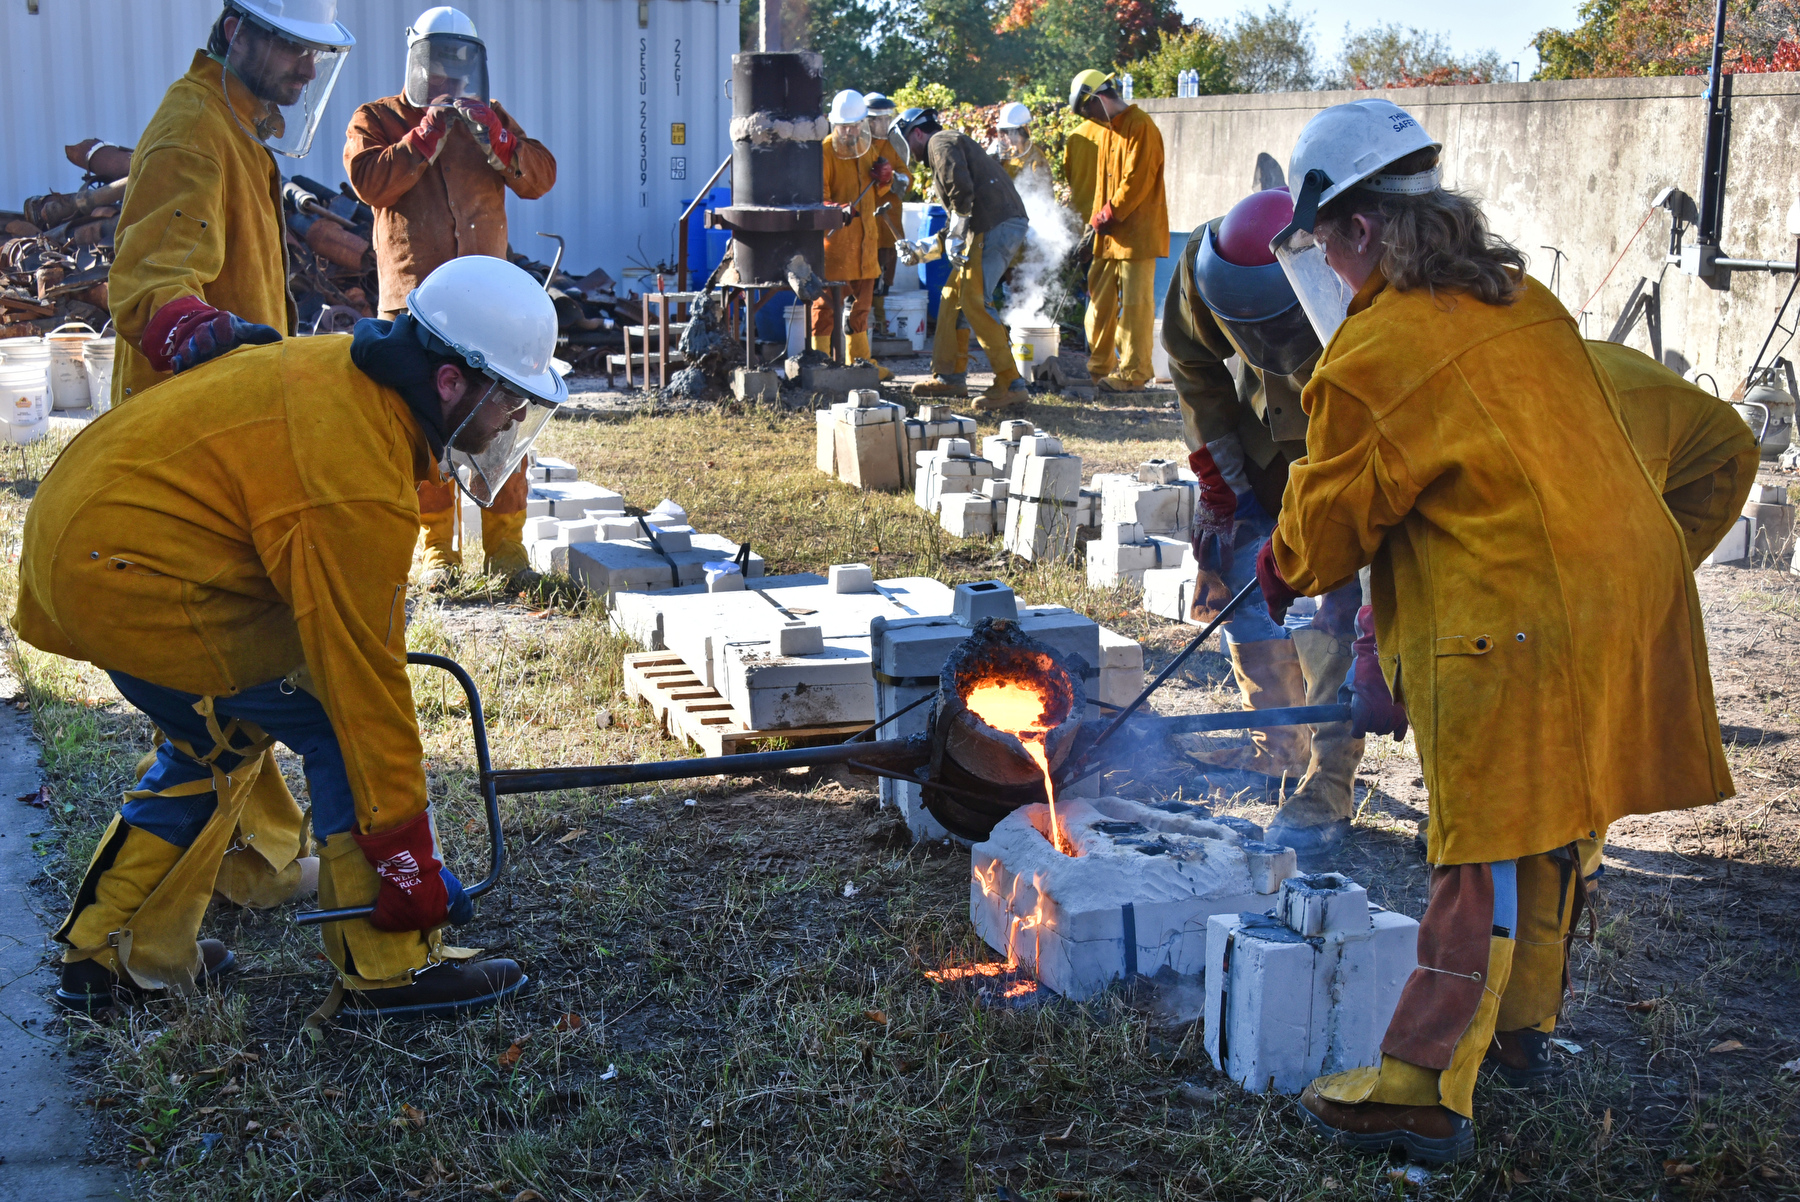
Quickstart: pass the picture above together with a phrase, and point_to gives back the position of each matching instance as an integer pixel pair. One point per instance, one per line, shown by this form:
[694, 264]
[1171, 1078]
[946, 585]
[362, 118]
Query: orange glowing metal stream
[1018, 709]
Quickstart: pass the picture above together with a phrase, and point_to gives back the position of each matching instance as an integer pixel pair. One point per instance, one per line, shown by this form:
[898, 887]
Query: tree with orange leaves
[1670, 37]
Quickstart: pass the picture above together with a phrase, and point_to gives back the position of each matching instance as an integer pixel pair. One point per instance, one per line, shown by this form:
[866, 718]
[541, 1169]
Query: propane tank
[1769, 410]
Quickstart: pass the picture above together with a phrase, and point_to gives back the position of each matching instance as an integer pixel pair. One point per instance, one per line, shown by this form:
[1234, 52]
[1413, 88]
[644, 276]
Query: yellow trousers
[1121, 319]
[966, 297]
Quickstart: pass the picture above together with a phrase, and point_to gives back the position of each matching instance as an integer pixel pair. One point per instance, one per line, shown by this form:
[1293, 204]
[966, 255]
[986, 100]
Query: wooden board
[689, 709]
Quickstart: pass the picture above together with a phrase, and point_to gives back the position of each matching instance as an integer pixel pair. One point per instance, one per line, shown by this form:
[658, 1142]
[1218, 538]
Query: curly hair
[1438, 239]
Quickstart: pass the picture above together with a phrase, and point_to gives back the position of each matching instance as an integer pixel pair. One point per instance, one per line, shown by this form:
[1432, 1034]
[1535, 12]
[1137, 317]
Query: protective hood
[1257, 307]
[390, 353]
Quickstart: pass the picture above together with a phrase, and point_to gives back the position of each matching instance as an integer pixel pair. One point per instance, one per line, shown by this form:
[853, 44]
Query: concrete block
[1121, 532]
[1734, 547]
[1016, 429]
[674, 540]
[966, 515]
[956, 447]
[1769, 494]
[864, 398]
[1167, 593]
[1159, 471]
[748, 384]
[1135, 900]
[1041, 444]
[983, 599]
[880, 415]
[852, 578]
[832, 378]
[868, 457]
[1282, 1006]
[1048, 477]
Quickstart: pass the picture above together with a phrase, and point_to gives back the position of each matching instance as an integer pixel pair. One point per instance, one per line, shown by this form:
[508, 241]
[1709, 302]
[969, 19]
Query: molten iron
[1022, 708]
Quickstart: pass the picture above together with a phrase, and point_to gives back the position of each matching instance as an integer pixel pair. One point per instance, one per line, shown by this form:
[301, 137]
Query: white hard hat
[1348, 145]
[311, 21]
[497, 318]
[847, 108]
[442, 19]
[1013, 116]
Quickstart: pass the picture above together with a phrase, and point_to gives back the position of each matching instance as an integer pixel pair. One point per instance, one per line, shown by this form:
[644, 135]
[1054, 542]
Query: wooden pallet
[690, 709]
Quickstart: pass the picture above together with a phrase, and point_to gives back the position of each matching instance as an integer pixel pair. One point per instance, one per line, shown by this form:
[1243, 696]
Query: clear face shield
[896, 142]
[851, 141]
[879, 125]
[487, 448]
[1017, 141]
[289, 82]
[1324, 296]
[442, 68]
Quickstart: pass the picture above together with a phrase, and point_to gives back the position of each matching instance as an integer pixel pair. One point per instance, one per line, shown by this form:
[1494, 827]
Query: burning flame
[989, 881]
[1018, 708]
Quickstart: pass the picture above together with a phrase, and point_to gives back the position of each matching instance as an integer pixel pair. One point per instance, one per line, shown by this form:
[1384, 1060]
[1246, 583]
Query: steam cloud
[1054, 232]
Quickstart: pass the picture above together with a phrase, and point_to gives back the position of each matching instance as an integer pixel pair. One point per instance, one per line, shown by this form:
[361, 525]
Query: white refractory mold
[536, 528]
[1041, 444]
[1121, 668]
[852, 578]
[1168, 593]
[1123, 553]
[910, 653]
[968, 514]
[575, 532]
[946, 472]
[1159, 506]
[1136, 899]
[547, 470]
[674, 540]
[621, 529]
[723, 576]
[864, 441]
[864, 398]
[571, 499]
[635, 566]
[1307, 988]
[1768, 494]
[1044, 499]
[667, 513]
[1159, 471]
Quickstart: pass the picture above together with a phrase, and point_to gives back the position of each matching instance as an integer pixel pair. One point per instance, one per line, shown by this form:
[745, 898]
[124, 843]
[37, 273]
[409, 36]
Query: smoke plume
[1055, 230]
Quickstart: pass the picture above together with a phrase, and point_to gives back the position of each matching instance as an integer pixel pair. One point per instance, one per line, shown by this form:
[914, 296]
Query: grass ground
[730, 1000]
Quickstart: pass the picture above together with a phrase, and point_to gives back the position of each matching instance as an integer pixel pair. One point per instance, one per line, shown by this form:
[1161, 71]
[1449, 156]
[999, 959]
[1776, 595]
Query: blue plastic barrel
[1165, 267]
[705, 246]
[933, 275]
[771, 323]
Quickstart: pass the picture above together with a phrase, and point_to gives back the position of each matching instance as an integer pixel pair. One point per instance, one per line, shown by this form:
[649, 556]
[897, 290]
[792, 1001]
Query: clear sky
[1506, 25]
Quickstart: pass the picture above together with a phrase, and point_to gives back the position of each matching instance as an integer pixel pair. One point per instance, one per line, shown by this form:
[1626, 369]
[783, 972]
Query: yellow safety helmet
[1086, 84]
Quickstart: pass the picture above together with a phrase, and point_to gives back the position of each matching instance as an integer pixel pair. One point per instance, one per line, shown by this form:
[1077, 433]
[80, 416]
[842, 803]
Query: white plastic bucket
[1032, 345]
[906, 317]
[68, 375]
[1159, 357]
[24, 401]
[796, 316]
[97, 361]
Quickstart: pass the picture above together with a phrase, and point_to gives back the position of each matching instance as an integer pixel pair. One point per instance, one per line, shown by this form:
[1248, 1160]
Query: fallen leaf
[511, 1055]
[1071, 1195]
[40, 799]
[1792, 1066]
[529, 1195]
[471, 826]
[850, 889]
[1678, 1168]
[1729, 1045]
[1645, 1006]
[1196, 1095]
[331, 1093]
[229, 1088]
[1518, 1178]
[878, 1017]
[413, 1116]
[1606, 1125]
[571, 1022]
[494, 1188]
[251, 1127]
[103, 1102]
[573, 835]
[207, 1110]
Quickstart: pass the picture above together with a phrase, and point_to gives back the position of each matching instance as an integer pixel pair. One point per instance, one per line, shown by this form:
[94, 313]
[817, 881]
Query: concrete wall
[1571, 164]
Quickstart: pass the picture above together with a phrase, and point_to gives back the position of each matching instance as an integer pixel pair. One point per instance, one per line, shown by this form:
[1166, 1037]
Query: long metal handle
[489, 793]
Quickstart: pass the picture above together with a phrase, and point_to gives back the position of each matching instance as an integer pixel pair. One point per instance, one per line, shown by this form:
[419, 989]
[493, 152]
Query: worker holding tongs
[1532, 592]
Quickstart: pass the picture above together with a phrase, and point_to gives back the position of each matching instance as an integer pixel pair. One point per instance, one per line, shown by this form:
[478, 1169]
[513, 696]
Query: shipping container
[631, 96]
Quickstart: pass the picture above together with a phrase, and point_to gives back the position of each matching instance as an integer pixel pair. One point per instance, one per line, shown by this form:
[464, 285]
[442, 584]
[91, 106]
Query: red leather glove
[1276, 593]
[1102, 216]
[882, 172]
[490, 131]
[188, 331]
[413, 896]
[1373, 710]
[1215, 514]
[426, 139]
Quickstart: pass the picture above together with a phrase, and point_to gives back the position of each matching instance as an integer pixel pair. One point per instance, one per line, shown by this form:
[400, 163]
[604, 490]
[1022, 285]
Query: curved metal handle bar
[489, 795]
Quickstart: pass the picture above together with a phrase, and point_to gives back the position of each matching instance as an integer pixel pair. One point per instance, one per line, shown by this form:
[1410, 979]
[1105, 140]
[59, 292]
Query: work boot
[1429, 1134]
[1268, 674]
[503, 549]
[1522, 1059]
[1119, 384]
[1316, 816]
[440, 991]
[999, 396]
[439, 563]
[859, 349]
[89, 986]
[956, 385]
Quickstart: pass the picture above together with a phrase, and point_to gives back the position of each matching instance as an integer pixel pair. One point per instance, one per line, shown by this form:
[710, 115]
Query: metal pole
[768, 22]
[1712, 166]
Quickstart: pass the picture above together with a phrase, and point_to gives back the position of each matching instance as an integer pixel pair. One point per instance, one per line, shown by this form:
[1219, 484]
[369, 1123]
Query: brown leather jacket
[429, 213]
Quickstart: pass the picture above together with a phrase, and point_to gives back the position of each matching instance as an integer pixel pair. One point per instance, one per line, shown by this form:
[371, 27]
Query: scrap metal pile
[56, 251]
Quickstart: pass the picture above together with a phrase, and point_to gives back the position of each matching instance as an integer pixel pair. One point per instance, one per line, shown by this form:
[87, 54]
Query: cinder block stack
[1000, 448]
[952, 468]
[978, 513]
[1123, 553]
[1044, 499]
[1155, 497]
[862, 442]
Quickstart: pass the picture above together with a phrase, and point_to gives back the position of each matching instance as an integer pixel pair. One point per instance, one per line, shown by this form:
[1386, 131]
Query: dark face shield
[1279, 345]
[442, 68]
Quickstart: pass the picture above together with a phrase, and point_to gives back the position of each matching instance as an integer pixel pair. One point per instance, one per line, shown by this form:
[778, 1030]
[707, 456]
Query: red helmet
[1246, 289]
[1246, 231]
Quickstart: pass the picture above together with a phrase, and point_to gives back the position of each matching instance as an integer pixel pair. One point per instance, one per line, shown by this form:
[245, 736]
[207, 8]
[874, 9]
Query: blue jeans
[1250, 622]
[997, 251]
[291, 716]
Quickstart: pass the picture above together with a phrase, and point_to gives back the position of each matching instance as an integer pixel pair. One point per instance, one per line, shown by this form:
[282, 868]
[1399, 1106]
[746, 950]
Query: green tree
[1387, 56]
[1272, 51]
[1668, 37]
[1065, 37]
[1196, 48]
